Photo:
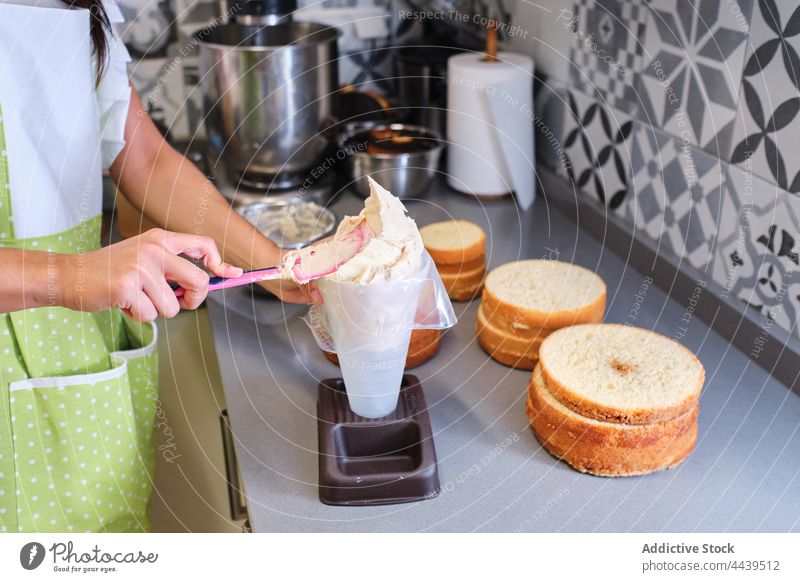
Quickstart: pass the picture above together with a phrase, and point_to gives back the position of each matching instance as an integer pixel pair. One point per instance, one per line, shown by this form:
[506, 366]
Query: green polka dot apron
[78, 391]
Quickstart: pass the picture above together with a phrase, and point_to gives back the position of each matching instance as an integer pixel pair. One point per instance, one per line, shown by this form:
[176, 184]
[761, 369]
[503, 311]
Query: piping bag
[389, 287]
[373, 302]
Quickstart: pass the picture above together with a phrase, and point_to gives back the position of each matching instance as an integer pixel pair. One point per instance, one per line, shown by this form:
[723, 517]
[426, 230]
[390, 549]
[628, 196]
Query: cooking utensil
[390, 460]
[268, 95]
[268, 217]
[387, 153]
[259, 11]
[247, 278]
[361, 105]
[309, 264]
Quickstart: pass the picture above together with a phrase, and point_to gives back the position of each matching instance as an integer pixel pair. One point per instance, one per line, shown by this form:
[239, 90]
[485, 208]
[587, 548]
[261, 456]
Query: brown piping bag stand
[375, 461]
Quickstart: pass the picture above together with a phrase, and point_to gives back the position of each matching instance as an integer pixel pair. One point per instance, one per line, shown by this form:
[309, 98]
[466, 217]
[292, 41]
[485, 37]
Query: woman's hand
[135, 275]
[289, 291]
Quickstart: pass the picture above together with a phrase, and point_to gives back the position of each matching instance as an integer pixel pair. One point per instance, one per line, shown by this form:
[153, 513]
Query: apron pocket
[143, 379]
[54, 341]
[84, 446]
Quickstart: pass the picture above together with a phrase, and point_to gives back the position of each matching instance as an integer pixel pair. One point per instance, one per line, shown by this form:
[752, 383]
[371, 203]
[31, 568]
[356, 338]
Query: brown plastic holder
[381, 461]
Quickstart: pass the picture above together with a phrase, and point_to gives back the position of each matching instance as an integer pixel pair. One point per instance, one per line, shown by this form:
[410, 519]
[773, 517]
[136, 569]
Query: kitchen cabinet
[191, 484]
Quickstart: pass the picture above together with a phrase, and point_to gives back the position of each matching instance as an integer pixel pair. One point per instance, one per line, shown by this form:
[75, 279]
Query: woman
[78, 381]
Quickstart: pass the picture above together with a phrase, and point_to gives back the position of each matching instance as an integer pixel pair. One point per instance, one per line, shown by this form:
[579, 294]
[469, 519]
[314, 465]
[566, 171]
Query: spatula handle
[246, 278]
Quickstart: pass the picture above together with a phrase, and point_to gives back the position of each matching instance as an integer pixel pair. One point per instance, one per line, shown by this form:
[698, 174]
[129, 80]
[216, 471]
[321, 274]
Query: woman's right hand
[135, 275]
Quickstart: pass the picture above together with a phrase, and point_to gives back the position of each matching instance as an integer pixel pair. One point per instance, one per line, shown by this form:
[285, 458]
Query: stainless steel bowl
[268, 217]
[268, 94]
[405, 175]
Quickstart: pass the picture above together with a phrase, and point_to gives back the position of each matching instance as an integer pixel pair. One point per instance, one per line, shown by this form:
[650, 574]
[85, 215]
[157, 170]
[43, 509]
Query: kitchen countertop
[743, 476]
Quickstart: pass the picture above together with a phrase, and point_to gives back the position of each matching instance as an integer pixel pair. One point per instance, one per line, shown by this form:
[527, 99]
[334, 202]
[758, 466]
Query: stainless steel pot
[406, 175]
[267, 93]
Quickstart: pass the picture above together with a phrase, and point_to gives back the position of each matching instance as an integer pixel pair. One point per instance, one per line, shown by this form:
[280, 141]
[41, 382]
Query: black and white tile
[693, 58]
[596, 154]
[759, 262]
[678, 196]
[366, 38]
[160, 85]
[149, 27]
[606, 49]
[770, 103]
[550, 104]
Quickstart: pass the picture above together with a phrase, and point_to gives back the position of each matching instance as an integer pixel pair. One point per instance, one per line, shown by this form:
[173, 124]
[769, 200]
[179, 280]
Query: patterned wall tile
[157, 38]
[743, 231]
[365, 58]
[606, 48]
[694, 54]
[770, 106]
[160, 85]
[543, 35]
[550, 104]
[759, 262]
[192, 15]
[678, 196]
[149, 27]
[596, 149]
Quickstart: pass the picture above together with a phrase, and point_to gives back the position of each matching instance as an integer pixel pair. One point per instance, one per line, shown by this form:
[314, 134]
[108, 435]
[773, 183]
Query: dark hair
[98, 27]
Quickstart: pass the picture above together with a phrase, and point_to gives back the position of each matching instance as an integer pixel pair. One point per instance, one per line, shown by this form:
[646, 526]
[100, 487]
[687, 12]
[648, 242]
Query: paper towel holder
[491, 41]
[490, 131]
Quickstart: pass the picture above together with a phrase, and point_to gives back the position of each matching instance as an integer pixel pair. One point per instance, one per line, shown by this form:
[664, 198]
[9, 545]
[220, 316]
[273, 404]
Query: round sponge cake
[544, 294]
[603, 448]
[454, 242]
[619, 373]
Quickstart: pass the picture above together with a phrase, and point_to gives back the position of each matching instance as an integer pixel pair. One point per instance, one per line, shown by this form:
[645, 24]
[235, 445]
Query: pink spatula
[310, 263]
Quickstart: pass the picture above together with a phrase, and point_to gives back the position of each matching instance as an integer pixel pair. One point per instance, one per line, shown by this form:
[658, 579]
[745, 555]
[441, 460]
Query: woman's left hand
[290, 292]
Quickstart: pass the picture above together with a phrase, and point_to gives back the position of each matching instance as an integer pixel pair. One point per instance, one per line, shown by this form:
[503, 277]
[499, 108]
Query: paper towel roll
[490, 125]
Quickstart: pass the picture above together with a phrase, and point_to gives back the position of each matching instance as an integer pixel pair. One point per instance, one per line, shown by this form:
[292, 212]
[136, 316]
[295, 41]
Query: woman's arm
[29, 279]
[169, 190]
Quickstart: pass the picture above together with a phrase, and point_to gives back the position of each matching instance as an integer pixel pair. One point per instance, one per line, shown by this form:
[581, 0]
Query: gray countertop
[743, 476]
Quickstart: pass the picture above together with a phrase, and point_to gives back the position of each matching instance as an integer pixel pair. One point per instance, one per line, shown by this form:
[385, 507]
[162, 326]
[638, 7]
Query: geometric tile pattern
[549, 101]
[596, 149]
[698, 66]
[694, 54]
[606, 49]
[767, 132]
[759, 262]
[149, 27]
[678, 197]
[161, 87]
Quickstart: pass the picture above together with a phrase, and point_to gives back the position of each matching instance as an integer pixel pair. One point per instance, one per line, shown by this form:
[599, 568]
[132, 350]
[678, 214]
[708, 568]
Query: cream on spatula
[302, 266]
[381, 243]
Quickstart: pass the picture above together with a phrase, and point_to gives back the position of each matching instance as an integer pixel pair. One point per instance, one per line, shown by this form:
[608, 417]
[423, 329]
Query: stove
[315, 185]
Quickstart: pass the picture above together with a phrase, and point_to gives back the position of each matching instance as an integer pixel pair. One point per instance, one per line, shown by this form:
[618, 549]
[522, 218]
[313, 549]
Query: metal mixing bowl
[405, 175]
[268, 94]
[267, 217]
